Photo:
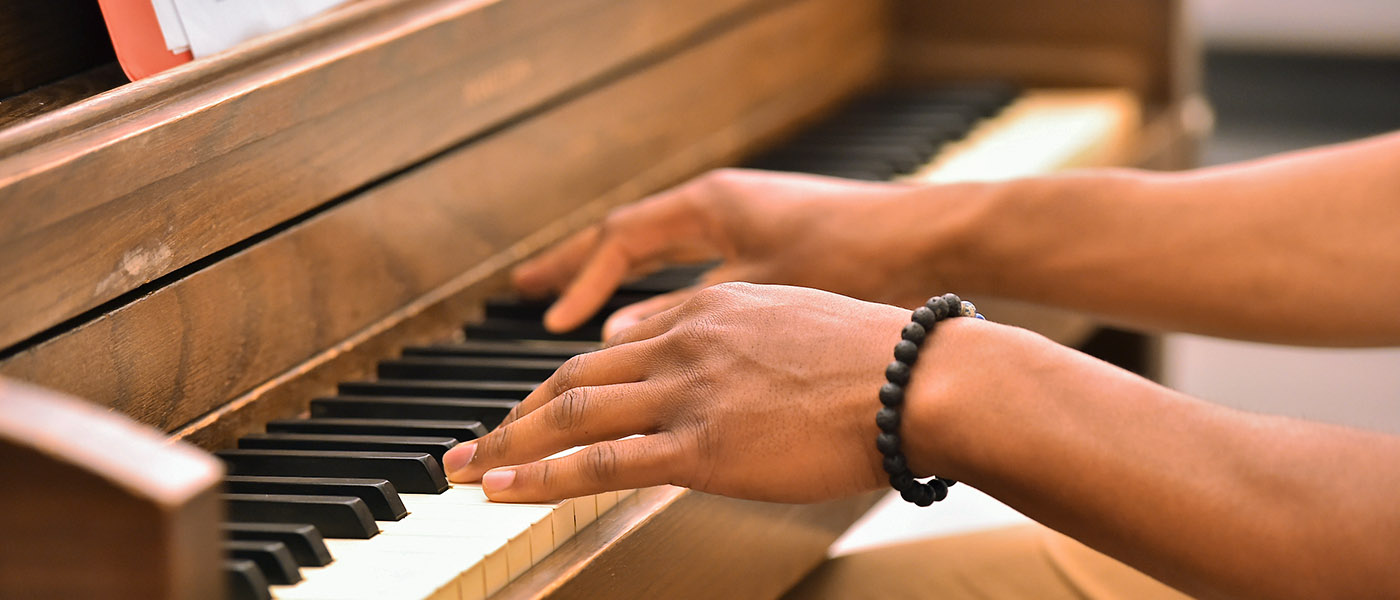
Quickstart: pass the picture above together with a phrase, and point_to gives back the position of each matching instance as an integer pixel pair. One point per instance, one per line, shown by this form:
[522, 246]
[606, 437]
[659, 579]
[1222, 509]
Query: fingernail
[458, 457]
[498, 479]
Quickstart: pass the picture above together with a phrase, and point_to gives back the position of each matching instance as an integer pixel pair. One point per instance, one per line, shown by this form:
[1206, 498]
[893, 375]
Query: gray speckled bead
[913, 332]
[897, 373]
[924, 317]
[938, 306]
[967, 309]
[906, 352]
[887, 420]
[953, 303]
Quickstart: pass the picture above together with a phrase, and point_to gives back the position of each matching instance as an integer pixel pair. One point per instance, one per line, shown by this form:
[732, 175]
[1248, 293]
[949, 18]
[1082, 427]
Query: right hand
[803, 230]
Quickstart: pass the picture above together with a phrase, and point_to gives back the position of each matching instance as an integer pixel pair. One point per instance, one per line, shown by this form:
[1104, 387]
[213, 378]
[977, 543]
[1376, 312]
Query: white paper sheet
[170, 26]
[212, 26]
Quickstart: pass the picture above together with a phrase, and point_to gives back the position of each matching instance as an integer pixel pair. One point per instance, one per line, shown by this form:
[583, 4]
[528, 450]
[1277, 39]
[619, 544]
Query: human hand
[818, 232]
[760, 392]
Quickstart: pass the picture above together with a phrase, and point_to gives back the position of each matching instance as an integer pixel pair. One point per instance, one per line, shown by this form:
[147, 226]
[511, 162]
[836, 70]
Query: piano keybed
[365, 466]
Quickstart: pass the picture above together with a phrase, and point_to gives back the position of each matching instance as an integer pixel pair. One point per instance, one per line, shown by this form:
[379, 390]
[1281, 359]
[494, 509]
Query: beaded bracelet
[892, 397]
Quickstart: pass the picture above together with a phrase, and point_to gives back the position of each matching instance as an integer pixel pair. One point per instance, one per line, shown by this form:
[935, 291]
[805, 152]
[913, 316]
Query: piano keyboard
[352, 502]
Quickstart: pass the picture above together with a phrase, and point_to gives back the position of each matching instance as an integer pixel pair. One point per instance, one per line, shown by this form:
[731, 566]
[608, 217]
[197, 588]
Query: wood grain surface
[106, 195]
[96, 506]
[189, 347]
[1141, 45]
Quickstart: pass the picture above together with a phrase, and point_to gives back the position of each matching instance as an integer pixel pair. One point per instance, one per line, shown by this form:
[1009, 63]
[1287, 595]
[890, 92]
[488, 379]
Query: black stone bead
[891, 394]
[902, 480]
[924, 496]
[913, 332]
[887, 420]
[911, 494]
[938, 307]
[925, 317]
[954, 304]
[948, 482]
[897, 372]
[895, 464]
[887, 443]
[906, 352]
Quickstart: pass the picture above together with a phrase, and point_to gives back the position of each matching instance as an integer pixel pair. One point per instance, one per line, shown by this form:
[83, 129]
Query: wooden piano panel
[437, 230]
[157, 174]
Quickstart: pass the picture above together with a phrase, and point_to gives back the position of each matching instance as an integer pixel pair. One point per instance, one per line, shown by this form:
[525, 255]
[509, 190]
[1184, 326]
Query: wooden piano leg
[97, 506]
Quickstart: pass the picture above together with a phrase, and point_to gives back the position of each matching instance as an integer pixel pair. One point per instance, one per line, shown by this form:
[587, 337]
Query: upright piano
[246, 242]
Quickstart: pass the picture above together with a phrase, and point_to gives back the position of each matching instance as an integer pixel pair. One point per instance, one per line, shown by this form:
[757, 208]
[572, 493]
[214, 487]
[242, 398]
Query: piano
[244, 303]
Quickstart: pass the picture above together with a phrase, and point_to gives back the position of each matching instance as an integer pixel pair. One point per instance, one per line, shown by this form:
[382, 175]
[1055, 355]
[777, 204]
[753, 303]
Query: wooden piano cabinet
[97, 506]
[666, 542]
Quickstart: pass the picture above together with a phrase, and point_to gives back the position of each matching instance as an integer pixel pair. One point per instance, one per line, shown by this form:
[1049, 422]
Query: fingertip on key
[496, 480]
[454, 461]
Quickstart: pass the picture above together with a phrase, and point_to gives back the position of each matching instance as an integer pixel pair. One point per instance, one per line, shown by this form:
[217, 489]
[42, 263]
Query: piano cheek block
[414, 473]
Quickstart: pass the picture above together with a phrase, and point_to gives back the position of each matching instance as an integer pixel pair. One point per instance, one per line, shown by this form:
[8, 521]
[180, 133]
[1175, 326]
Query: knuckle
[494, 444]
[566, 375]
[567, 410]
[599, 463]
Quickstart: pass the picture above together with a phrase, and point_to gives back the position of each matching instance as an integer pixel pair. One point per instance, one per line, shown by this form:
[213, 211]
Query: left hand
[759, 392]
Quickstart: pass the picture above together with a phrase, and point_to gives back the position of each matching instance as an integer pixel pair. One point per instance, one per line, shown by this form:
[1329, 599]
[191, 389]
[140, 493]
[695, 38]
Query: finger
[589, 291]
[662, 228]
[609, 366]
[554, 268]
[580, 416]
[632, 314]
[605, 466]
[648, 329]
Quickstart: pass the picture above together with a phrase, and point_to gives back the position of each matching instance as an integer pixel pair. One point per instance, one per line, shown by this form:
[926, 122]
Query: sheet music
[170, 26]
[211, 26]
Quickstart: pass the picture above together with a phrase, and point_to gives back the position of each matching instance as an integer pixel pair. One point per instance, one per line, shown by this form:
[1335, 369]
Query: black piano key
[378, 494]
[302, 540]
[494, 390]
[489, 412]
[442, 367]
[518, 309]
[495, 328]
[272, 558]
[460, 430]
[665, 280]
[916, 144]
[935, 120]
[488, 348]
[901, 160]
[433, 446]
[411, 473]
[936, 134]
[333, 516]
[244, 580]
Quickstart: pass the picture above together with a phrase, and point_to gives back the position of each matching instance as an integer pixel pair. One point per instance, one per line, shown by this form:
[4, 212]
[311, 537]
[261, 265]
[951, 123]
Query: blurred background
[1281, 75]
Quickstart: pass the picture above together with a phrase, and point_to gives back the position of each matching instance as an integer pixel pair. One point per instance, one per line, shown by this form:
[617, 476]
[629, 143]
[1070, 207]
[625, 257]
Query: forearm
[1300, 249]
[1215, 501]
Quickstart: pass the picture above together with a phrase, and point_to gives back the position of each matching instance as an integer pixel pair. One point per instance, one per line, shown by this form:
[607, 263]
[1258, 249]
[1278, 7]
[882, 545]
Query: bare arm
[1214, 501]
[1303, 248]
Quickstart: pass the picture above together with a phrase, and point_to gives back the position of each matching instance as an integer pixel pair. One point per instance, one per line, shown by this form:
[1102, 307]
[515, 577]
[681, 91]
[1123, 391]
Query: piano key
[920, 146]
[272, 558]
[514, 308]
[489, 412]
[495, 328]
[378, 494]
[302, 540]
[408, 471]
[459, 430]
[333, 516]
[419, 576]
[245, 581]
[432, 446]
[671, 278]
[499, 369]
[488, 348]
[902, 160]
[502, 390]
